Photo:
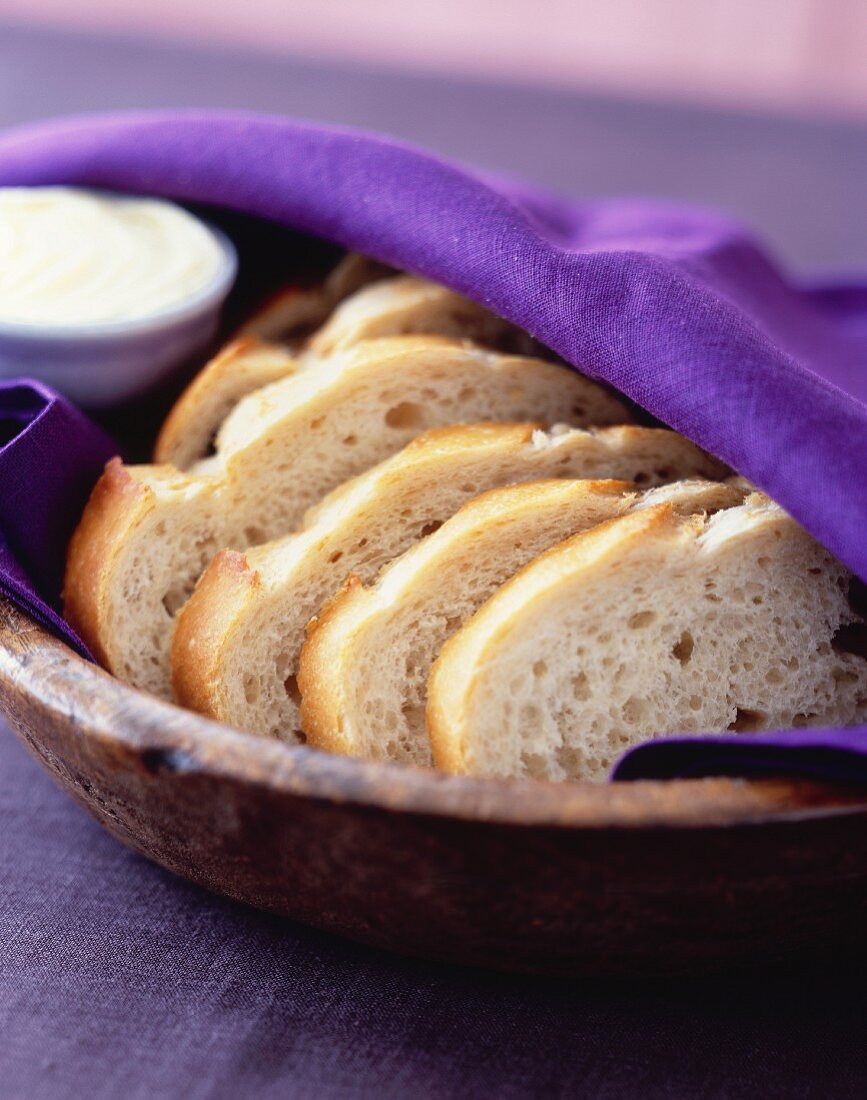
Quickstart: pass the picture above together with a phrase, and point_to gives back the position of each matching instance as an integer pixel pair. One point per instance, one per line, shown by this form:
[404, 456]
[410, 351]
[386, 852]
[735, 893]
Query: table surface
[117, 979]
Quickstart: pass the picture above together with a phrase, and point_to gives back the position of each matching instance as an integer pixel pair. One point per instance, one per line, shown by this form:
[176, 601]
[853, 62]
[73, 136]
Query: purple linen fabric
[51, 457]
[675, 306]
[832, 754]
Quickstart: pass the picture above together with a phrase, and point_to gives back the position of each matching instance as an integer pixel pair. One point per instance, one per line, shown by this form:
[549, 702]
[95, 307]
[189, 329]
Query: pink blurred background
[789, 56]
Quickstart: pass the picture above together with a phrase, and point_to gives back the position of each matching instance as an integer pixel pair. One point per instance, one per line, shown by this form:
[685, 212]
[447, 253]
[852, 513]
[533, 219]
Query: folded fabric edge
[39, 509]
[45, 616]
[807, 754]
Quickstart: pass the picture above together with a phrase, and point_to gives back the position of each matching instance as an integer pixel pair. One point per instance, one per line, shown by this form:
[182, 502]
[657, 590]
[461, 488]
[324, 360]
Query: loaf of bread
[396, 560]
[649, 624]
[236, 647]
[364, 669]
[148, 531]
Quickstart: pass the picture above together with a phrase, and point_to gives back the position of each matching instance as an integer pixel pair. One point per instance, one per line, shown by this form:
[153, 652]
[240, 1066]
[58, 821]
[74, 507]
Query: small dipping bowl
[102, 363]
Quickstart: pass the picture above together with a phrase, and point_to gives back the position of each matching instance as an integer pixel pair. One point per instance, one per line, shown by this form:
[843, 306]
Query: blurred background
[757, 106]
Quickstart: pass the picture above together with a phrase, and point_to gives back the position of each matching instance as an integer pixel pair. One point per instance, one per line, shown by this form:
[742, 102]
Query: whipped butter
[70, 257]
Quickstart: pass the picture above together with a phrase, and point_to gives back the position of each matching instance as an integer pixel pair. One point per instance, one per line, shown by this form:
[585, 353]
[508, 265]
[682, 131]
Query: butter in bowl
[102, 295]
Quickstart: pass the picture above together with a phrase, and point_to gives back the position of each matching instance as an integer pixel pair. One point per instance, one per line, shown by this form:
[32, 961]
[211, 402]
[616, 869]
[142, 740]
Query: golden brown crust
[117, 504]
[457, 437]
[320, 709]
[433, 444]
[407, 304]
[220, 596]
[446, 734]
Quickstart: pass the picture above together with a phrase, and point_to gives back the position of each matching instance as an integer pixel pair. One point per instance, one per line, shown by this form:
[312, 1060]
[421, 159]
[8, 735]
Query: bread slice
[648, 625]
[263, 352]
[296, 311]
[243, 366]
[405, 305]
[397, 306]
[364, 669]
[236, 648]
[149, 531]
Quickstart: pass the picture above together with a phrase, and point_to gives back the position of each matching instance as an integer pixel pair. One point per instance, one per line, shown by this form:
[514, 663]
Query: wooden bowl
[625, 879]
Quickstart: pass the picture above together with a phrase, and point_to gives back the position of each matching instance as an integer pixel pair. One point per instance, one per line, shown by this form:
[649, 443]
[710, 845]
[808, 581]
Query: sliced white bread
[236, 648]
[148, 531]
[399, 306]
[318, 428]
[648, 625]
[405, 305]
[363, 671]
[263, 352]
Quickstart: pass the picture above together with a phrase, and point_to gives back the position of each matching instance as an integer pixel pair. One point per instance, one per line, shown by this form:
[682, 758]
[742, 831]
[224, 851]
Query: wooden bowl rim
[163, 737]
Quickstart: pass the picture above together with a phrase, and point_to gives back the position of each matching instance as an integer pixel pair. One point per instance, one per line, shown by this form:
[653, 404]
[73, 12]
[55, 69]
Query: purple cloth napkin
[50, 458]
[675, 306]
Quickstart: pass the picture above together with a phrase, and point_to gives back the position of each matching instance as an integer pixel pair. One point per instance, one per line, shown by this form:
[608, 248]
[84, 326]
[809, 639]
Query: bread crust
[117, 505]
[291, 313]
[406, 305]
[285, 316]
[319, 705]
[221, 596]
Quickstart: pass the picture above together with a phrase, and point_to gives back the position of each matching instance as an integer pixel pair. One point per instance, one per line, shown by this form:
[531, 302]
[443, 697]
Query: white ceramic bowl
[110, 362]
